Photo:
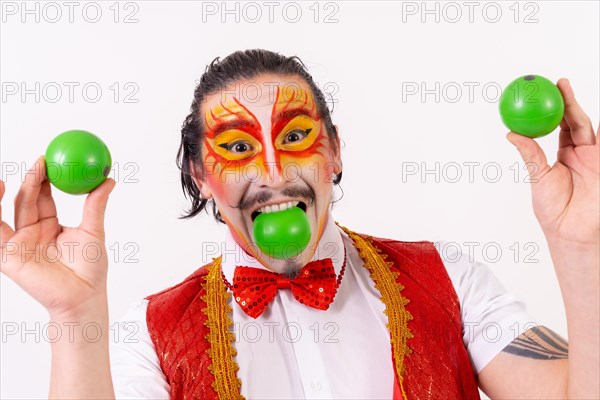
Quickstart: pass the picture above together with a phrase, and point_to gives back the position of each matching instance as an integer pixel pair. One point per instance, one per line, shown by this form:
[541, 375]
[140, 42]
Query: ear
[200, 181]
[337, 153]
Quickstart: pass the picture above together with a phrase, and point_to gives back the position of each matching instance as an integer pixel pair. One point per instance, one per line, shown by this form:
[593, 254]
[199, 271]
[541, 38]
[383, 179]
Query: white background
[367, 55]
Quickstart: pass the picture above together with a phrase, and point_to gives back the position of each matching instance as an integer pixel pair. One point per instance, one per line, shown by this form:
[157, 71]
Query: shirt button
[316, 386]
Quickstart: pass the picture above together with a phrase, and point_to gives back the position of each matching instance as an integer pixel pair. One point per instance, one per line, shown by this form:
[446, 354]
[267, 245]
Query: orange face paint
[234, 139]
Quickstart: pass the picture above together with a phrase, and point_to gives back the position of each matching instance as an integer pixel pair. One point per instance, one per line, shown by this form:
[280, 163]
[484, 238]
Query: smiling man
[345, 315]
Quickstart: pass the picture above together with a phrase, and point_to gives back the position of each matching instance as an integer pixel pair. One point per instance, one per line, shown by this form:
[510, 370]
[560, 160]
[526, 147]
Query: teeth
[278, 207]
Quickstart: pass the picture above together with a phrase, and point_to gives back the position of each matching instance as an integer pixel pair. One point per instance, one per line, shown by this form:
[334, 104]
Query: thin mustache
[263, 197]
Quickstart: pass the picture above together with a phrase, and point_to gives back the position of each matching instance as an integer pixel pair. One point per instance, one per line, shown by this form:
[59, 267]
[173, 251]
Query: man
[382, 319]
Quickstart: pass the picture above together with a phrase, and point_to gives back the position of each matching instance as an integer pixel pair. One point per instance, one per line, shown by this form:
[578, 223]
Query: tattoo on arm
[539, 343]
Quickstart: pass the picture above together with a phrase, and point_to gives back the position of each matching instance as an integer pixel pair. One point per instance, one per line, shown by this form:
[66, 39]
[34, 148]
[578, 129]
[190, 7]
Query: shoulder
[169, 305]
[408, 248]
[409, 255]
[179, 304]
[413, 249]
[192, 282]
[418, 263]
[474, 280]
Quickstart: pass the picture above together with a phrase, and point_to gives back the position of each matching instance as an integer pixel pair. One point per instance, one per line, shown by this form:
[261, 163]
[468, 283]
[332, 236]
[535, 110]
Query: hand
[50, 261]
[566, 196]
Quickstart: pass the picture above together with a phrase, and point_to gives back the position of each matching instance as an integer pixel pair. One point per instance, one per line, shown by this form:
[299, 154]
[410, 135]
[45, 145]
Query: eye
[296, 135]
[239, 146]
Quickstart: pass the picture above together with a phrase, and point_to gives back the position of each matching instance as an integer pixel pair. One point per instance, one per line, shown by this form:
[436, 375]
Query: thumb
[532, 154]
[95, 207]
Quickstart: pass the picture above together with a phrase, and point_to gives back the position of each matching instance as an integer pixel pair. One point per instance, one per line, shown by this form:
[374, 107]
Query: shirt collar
[331, 246]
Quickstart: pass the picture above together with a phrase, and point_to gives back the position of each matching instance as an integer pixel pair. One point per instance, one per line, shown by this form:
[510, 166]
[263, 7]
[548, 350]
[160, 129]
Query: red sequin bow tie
[315, 286]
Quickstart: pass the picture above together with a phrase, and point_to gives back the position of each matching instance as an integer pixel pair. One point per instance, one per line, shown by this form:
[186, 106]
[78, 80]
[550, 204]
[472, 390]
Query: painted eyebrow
[282, 119]
[285, 115]
[245, 121]
[222, 126]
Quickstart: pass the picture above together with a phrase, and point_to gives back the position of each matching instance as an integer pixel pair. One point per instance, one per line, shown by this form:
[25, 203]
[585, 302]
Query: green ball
[282, 234]
[77, 162]
[531, 106]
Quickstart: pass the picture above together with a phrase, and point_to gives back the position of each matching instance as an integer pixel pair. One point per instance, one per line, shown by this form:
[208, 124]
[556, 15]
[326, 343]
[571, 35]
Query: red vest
[436, 366]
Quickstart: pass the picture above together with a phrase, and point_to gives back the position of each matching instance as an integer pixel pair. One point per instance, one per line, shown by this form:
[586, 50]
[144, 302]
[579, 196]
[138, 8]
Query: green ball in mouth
[282, 234]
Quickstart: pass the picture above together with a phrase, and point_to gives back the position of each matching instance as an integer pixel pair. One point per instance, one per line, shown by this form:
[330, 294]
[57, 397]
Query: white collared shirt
[293, 351]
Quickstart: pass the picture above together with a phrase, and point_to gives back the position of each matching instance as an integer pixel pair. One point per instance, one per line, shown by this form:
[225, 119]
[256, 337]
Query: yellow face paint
[235, 145]
[298, 135]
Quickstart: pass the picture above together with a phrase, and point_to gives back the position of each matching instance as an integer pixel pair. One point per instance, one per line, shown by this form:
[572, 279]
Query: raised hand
[566, 196]
[63, 268]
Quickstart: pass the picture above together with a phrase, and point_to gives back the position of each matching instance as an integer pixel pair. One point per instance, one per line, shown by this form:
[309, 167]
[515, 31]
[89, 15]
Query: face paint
[267, 152]
[296, 125]
[233, 136]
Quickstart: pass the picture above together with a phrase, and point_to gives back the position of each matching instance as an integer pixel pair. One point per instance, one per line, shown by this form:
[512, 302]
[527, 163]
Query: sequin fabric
[315, 286]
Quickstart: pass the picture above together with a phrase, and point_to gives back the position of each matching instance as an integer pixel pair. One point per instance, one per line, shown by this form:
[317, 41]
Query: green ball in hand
[282, 234]
[77, 162]
[531, 106]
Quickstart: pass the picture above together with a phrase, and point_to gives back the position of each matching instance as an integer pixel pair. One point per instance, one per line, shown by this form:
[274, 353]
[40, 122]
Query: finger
[26, 209]
[95, 207]
[45, 202]
[6, 231]
[532, 154]
[564, 137]
[578, 123]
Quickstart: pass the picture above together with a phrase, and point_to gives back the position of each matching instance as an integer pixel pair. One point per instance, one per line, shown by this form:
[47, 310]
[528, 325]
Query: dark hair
[246, 64]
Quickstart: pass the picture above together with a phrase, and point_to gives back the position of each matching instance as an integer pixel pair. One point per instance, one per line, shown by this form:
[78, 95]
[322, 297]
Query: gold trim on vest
[221, 338]
[386, 281]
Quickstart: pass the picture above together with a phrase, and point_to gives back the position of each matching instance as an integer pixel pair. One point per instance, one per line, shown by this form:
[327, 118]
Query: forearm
[80, 360]
[578, 268]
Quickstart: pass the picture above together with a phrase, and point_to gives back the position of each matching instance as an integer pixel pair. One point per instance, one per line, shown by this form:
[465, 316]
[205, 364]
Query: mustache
[264, 196]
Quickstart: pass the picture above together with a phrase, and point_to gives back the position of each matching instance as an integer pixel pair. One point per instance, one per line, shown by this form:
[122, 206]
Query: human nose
[271, 175]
